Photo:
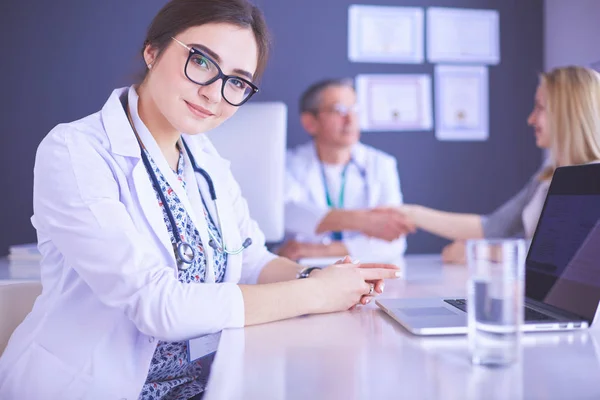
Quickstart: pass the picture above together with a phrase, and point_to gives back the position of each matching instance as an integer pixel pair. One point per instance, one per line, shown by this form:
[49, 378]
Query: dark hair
[311, 98]
[178, 15]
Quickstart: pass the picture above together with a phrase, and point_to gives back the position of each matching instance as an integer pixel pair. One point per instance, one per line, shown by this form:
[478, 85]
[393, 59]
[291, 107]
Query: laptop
[562, 268]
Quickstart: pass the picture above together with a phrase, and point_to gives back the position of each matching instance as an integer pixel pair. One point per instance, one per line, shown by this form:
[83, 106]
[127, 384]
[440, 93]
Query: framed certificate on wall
[384, 34]
[461, 102]
[394, 102]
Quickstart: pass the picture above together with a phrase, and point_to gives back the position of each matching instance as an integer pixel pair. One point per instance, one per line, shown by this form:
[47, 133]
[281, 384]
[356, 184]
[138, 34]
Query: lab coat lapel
[218, 169]
[171, 177]
[195, 191]
[151, 207]
[118, 130]
[373, 188]
[158, 158]
[123, 142]
[366, 173]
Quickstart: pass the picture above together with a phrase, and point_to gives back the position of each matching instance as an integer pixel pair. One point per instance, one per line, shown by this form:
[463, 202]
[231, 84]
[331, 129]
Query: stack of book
[24, 253]
[24, 262]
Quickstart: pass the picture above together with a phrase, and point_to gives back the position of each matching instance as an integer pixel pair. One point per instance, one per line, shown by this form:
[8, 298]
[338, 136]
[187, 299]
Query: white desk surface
[364, 354]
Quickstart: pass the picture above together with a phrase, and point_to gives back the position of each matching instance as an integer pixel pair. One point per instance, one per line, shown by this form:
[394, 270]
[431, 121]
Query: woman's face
[188, 107]
[537, 119]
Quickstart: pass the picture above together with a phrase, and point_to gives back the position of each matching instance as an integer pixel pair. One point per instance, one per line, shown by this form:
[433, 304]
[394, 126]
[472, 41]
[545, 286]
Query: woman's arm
[77, 205]
[280, 300]
[335, 288]
[279, 269]
[454, 226]
[505, 221]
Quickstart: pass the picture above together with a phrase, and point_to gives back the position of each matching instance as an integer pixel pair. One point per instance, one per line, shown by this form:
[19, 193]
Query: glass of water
[495, 300]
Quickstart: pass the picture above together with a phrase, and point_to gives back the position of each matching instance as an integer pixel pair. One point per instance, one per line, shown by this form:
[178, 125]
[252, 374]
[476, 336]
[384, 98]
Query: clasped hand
[387, 223]
[346, 284]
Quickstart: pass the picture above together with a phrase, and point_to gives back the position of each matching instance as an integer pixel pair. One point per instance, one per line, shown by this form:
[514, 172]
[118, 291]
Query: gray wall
[61, 59]
[571, 32]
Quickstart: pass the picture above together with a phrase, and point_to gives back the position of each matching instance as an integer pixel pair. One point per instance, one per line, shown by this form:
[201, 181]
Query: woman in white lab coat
[140, 253]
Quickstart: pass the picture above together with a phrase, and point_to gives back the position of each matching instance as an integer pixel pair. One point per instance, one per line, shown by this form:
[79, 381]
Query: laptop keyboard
[530, 315]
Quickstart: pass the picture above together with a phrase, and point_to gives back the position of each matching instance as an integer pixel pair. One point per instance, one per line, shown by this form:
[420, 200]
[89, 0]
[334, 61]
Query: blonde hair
[573, 116]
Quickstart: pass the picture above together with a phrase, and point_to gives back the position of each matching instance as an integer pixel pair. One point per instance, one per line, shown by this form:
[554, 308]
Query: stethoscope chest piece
[185, 254]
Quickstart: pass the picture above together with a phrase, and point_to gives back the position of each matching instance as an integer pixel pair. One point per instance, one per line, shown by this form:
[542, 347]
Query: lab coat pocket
[39, 374]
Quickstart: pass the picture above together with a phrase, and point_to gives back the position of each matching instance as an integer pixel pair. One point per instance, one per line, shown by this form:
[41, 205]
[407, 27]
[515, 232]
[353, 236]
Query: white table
[364, 354]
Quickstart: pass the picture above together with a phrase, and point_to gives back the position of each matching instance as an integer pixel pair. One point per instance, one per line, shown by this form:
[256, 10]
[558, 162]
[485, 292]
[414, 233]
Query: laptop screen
[563, 264]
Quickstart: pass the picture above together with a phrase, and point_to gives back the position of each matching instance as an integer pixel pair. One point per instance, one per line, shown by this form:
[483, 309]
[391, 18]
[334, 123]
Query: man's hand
[293, 250]
[387, 223]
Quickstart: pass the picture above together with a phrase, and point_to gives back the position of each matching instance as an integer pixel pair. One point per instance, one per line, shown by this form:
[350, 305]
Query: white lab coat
[110, 288]
[372, 170]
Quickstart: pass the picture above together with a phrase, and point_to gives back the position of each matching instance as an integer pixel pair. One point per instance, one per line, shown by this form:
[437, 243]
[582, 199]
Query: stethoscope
[363, 175]
[184, 252]
[340, 203]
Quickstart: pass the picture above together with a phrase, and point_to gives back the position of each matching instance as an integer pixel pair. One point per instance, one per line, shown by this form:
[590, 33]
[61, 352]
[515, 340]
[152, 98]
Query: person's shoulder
[89, 129]
[300, 156]
[301, 150]
[375, 155]
[79, 146]
[93, 129]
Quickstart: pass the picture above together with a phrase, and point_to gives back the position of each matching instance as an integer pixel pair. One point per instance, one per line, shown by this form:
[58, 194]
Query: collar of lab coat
[359, 159]
[159, 159]
[123, 142]
[358, 154]
[116, 124]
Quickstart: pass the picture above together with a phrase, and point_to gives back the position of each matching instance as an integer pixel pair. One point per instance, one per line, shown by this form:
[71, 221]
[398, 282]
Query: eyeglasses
[339, 109]
[202, 70]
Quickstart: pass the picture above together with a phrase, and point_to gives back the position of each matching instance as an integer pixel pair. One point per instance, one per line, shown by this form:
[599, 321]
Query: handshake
[387, 223]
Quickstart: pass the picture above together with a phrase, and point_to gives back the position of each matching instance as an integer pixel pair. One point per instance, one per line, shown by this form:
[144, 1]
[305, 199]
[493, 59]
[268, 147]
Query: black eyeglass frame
[220, 75]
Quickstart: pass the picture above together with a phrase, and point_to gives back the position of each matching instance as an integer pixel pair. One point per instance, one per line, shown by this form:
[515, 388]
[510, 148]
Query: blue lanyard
[335, 235]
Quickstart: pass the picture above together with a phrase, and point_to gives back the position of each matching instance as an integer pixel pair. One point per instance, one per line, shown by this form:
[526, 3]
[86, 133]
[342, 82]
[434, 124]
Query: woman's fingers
[378, 265]
[356, 264]
[374, 287]
[379, 285]
[364, 300]
[345, 260]
[377, 273]
[371, 289]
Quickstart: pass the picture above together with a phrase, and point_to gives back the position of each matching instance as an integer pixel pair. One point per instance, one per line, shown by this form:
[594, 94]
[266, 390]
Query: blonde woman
[566, 121]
